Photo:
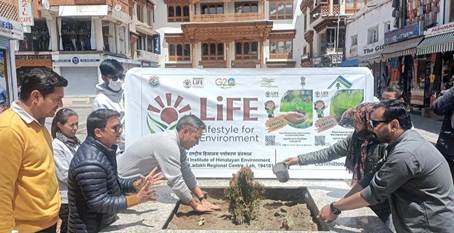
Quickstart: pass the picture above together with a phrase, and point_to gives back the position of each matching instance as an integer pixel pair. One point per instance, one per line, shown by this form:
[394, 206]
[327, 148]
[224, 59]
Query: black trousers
[64, 213]
[51, 229]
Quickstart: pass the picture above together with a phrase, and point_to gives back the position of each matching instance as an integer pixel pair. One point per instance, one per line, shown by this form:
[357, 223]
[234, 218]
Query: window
[451, 11]
[330, 38]
[150, 44]
[105, 36]
[212, 8]
[141, 42]
[38, 39]
[387, 26]
[140, 7]
[75, 34]
[246, 7]
[246, 50]
[121, 40]
[179, 52]
[354, 40]
[178, 13]
[150, 14]
[281, 9]
[281, 49]
[212, 51]
[372, 35]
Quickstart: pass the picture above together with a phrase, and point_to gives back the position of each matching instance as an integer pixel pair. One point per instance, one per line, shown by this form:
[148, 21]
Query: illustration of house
[340, 82]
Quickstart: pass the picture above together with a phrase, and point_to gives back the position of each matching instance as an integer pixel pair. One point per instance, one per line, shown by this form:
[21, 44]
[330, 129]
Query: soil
[272, 215]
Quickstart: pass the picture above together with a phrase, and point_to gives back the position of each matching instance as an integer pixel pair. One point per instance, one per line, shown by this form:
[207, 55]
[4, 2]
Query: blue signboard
[401, 34]
[156, 44]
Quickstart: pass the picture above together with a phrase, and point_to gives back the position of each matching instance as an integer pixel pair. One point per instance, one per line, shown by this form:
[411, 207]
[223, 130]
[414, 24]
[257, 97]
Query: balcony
[144, 55]
[227, 17]
[213, 63]
[323, 10]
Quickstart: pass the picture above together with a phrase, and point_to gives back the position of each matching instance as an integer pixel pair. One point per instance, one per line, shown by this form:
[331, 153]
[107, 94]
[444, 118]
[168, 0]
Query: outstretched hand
[155, 177]
[210, 205]
[291, 161]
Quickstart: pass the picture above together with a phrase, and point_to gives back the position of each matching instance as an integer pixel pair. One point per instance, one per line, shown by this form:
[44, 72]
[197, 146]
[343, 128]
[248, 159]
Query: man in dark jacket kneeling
[95, 192]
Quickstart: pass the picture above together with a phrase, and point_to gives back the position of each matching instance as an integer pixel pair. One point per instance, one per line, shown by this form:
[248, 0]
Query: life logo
[225, 82]
[163, 114]
[194, 83]
[75, 60]
[153, 81]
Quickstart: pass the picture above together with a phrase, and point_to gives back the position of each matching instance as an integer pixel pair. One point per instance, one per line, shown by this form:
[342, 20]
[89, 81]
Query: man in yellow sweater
[29, 197]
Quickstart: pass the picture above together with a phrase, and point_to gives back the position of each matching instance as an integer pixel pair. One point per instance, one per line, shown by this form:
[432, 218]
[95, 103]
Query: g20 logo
[225, 82]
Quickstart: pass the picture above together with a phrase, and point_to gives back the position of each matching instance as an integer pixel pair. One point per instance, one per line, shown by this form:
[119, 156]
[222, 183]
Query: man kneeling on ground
[167, 150]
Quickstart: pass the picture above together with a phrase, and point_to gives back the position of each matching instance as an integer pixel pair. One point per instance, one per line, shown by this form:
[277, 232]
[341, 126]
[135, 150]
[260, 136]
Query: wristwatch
[204, 196]
[334, 210]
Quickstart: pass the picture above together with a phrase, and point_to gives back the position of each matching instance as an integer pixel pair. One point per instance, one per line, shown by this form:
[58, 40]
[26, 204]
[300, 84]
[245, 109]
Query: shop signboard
[74, 60]
[253, 117]
[405, 33]
[25, 12]
[441, 29]
[11, 29]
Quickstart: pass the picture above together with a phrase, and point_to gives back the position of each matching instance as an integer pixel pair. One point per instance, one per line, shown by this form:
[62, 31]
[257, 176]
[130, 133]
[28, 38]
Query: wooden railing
[227, 17]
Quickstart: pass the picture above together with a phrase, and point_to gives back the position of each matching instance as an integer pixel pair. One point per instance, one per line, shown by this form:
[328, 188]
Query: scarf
[71, 142]
[355, 161]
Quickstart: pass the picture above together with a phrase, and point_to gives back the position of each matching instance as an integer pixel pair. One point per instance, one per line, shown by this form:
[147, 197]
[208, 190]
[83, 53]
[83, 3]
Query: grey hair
[191, 121]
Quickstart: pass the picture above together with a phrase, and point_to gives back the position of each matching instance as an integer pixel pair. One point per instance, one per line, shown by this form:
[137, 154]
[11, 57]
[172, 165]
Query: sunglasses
[374, 123]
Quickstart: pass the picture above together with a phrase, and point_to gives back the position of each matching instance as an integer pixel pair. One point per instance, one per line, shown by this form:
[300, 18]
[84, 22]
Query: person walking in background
[110, 91]
[414, 177]
[29, 197]
[95, 191]
[391, 93]
[167, 150]
[364, 156]
[444, 105]
[65, 144]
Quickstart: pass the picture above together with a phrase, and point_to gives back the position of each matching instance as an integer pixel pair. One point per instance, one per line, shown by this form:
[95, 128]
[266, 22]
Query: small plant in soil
[244, 195]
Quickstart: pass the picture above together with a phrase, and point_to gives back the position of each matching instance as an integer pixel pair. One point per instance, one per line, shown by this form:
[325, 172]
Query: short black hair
[191, 121]
[98, 120]
[395, 89]
[42, 79]
[110, 67]
[396, 109]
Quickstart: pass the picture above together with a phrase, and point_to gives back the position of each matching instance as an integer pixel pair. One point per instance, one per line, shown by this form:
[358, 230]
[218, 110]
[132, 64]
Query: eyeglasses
[117, 128]
[374, 123]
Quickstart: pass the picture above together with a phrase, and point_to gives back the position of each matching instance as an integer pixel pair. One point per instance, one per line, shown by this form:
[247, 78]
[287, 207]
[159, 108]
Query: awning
[83, 10]
[403, 48]
[372, 58]
[349, 63]
[437, 44]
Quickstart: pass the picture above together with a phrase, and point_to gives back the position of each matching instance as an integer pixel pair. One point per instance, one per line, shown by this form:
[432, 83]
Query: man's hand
[155, 177]
[199, 207]
[326, 214]
[146, 193]
[209, 205]
[291, 161]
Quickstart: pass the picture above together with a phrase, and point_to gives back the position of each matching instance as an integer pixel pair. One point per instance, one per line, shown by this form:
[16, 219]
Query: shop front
[10, 30]
[81, 71]
[400, 54]
[435, 56]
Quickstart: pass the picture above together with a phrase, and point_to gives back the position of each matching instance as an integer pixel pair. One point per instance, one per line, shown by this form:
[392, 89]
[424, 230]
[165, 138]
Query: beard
[366, 135]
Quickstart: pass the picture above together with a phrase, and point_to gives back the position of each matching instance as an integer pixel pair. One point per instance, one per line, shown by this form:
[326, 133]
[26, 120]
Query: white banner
[254, 117]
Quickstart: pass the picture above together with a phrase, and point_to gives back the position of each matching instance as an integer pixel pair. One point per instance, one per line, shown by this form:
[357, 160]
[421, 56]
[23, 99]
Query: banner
[254, 117]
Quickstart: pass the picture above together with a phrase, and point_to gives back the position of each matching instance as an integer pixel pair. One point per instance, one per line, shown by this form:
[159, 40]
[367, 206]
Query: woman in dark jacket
[364, 156]
[444, 105]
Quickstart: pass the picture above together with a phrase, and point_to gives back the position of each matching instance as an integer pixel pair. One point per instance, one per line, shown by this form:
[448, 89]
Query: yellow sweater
[29, 197]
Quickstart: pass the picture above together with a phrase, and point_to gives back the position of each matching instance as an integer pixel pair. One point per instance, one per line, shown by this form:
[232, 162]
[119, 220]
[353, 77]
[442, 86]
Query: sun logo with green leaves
[165, 114]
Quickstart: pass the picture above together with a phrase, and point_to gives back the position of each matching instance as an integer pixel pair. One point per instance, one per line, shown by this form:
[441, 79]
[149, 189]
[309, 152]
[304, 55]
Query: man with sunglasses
[110, 90]
[415, 177]
[95, 192]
